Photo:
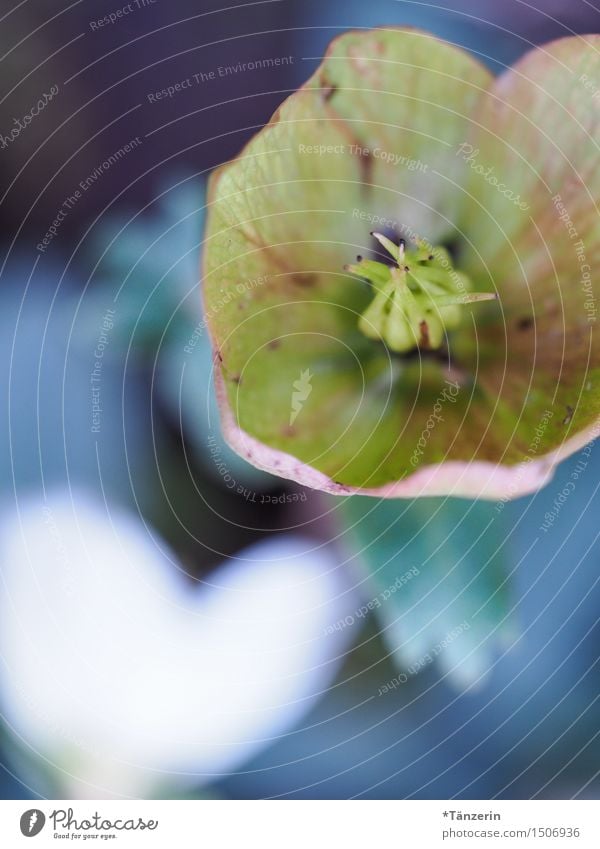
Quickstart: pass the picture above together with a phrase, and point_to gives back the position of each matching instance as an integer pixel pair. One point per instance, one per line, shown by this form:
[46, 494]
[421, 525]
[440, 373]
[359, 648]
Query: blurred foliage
[437, 574]
[148, 266]
[145, 266]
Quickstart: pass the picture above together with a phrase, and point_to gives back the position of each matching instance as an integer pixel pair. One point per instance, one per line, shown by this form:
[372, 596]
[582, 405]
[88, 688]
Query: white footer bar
[301, 824]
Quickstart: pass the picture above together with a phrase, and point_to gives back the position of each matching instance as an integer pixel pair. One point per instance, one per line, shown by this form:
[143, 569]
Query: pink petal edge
[474, 479]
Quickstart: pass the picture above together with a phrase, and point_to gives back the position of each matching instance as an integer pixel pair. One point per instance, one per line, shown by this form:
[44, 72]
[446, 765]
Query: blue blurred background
[174, 623]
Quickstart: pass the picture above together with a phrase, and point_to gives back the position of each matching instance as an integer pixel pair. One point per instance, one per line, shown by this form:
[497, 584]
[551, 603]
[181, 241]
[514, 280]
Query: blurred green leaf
[435, 577]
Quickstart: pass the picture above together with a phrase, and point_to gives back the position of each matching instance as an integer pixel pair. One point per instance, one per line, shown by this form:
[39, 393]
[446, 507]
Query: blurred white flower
[127, 677]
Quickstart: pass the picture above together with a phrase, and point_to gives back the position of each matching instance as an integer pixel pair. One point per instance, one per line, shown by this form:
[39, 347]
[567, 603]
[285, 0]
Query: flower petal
[370, 134]
[533, 233]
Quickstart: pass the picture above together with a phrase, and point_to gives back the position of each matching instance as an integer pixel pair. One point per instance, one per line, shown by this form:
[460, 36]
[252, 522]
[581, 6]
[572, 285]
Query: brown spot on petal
[276, 116]
[304, 278]
[366, 168]
[342, 486]
[273, 344]
[569, 416]
[525, 323]
[424, 330]
[328, 89]
[355, 142]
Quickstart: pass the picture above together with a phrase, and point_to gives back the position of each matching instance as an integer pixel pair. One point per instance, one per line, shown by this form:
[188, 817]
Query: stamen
[416, 301]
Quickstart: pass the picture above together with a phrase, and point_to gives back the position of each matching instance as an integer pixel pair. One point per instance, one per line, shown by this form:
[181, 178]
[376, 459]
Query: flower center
[417, 300]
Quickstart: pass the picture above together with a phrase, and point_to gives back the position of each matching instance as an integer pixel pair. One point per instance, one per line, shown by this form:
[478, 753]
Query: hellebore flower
[452, 187]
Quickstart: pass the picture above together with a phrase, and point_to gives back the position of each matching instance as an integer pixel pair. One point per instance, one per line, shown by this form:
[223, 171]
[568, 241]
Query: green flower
[458, 355]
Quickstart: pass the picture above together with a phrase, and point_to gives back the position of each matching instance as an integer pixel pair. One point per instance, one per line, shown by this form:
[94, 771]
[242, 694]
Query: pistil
[417, 300]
